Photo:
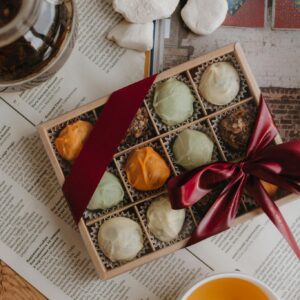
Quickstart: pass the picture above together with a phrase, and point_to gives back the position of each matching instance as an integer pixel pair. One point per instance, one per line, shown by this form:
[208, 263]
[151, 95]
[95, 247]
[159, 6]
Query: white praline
[144, 11]
[164, 222]
[204, 16]
[133, 36]
[120, 239]
[220, 83]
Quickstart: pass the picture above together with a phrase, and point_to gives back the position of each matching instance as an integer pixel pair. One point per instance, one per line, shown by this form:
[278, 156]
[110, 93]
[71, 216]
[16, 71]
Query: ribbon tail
[264, 130]
[222, 213]
[256, 190]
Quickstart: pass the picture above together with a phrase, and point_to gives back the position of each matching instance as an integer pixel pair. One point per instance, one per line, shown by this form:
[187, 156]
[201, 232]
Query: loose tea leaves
[8, 10]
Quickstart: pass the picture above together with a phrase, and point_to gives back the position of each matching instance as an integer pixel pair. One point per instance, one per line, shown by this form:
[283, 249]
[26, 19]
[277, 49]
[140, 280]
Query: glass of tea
[228, 286]
[36, 38]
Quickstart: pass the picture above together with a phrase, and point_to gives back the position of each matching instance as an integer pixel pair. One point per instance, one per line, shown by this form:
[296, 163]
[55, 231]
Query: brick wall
[284, 105]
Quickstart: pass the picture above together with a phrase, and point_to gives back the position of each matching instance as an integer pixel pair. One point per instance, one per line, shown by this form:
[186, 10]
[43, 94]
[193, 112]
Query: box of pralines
[199, 112]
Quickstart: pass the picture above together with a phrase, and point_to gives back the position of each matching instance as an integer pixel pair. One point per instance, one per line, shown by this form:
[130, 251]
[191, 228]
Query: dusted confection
[204, 16]
[133, 36]
[146, 170]
[120, 239]
[173, 101]
[192, 149]
[139, 125]
[236, 128]
[108, 193]
[164, 222]
[143, 11]
[220, 83]
[270, 188]
[71, 139]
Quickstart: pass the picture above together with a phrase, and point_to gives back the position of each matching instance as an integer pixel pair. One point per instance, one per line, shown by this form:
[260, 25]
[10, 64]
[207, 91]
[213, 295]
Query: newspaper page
[256, 247]
[38, 237]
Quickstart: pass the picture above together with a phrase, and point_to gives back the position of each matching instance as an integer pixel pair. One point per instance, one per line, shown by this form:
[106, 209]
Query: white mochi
[120, 239]
[204, 16]
[133, 36]
[144, 11]
[220, 83]
[164, 222]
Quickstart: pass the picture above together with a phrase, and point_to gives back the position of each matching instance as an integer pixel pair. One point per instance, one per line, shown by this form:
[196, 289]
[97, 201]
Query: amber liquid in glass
[39, 45]
[228, 289]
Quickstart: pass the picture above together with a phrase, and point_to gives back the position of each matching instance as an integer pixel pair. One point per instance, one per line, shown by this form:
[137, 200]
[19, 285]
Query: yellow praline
[71, 139]
[270, 188]
[146, 170]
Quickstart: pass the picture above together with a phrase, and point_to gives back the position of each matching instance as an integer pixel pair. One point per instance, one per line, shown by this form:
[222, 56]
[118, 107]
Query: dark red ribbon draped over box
[277, 164]
[102, 144]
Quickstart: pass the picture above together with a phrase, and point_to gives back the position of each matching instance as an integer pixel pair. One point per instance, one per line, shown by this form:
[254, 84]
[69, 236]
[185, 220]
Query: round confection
[173, 101]
[220, 83]
[235, 129]
[146, 170]
[120, 239]
[192, 149]
[164, 222]
[144, 11]
[204, 16]
[108, 193]
[71, 139]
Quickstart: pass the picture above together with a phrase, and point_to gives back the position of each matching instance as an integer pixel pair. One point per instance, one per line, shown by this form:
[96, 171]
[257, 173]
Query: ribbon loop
[196, 184]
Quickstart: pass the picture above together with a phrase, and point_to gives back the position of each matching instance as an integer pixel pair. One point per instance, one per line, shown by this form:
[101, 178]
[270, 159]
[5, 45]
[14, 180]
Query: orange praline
[146, 170]
[270, 188]
[71, 139]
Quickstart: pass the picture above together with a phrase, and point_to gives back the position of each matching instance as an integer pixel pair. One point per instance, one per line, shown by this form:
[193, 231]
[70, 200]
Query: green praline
[173, 101]
[108, 193]
[192, 149]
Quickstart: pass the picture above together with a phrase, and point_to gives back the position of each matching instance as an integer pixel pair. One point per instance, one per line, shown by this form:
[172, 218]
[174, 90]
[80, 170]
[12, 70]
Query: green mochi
[108, 193]
[173, 101]
[192, 149]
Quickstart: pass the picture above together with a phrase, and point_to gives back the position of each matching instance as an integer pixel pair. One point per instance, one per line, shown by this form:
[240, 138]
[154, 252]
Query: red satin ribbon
[102, 144]
[277, 164]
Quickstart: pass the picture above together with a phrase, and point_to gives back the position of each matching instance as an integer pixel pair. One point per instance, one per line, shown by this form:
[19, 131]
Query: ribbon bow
[277, 164]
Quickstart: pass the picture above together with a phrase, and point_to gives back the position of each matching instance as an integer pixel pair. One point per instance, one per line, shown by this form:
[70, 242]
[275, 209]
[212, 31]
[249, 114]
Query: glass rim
[20, 24]
[215, 276]
[73, 33]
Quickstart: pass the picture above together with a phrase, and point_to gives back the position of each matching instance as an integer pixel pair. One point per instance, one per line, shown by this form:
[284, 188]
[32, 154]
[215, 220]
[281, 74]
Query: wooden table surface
[285, 106]
[14, 287]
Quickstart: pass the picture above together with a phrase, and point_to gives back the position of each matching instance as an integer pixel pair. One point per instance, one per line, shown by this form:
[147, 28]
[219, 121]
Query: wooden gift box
[134, 207]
